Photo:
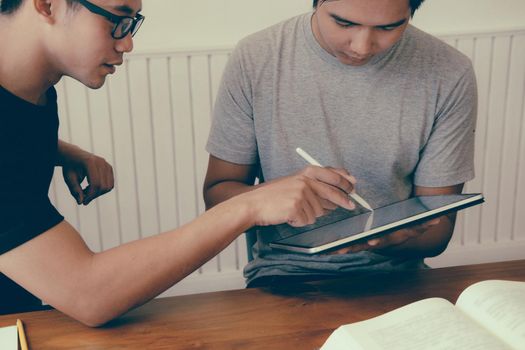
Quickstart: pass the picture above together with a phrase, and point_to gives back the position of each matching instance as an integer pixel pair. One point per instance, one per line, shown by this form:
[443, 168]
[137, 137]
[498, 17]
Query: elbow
[207, 201]
[437, 250]
[92, 323]
[93, 311]
[94, 318]
[207, 196]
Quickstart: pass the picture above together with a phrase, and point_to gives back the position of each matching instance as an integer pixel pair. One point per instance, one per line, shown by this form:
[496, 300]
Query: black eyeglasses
[123, 24]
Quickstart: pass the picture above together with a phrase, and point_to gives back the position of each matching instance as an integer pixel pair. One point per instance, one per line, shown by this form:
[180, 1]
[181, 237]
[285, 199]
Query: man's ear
[45, 9]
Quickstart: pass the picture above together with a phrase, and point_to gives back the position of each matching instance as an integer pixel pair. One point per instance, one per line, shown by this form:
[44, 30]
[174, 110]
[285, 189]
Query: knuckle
[310, 170]
[300, 179]
[343, 171]
[303, 188]
[345, 185]
[296, 204]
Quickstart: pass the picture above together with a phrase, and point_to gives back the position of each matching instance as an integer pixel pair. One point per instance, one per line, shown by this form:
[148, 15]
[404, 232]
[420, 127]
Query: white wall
[188, 24]
[459, 16]
[175, 24]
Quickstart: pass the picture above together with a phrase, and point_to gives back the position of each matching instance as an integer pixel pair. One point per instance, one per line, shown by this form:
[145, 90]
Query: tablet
[347, 227]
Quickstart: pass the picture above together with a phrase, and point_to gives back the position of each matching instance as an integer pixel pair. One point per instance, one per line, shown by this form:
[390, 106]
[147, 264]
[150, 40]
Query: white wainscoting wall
[151, 122]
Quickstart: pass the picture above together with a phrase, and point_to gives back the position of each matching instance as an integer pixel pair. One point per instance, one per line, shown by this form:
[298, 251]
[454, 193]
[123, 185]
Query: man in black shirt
[28, 153]
[41, 41]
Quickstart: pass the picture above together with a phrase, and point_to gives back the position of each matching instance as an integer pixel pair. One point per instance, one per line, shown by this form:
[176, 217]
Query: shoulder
[284, 30]
[267, 43]
[434, 52]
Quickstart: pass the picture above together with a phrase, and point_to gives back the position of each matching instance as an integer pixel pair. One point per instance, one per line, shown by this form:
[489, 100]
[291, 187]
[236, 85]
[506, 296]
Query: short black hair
[9, 6]
[414, 4]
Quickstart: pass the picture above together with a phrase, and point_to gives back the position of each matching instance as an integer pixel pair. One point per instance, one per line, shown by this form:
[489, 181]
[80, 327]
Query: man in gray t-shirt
[390, 109]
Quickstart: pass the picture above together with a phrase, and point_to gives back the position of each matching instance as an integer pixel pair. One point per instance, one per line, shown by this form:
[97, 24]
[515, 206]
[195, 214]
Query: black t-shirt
[28, 151]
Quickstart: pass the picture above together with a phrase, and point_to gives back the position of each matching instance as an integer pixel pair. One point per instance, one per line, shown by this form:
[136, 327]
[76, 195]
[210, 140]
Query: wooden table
[287, 317]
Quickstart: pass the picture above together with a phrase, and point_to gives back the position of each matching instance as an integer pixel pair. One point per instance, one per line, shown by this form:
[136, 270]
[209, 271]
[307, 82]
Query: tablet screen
[347, 226]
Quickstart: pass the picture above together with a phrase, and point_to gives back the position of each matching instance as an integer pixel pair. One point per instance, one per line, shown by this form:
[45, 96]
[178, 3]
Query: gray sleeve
[448, 157]
[232, 134]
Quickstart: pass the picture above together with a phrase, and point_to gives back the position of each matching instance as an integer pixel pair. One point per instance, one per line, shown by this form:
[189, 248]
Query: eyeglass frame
[115, 19]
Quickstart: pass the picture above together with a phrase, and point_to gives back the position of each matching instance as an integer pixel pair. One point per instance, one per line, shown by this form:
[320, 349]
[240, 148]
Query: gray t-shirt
[406, 118]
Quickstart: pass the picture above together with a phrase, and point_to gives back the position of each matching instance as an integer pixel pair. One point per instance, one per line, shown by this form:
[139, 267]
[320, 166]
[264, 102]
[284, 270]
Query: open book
[9, 338]
[487, 315]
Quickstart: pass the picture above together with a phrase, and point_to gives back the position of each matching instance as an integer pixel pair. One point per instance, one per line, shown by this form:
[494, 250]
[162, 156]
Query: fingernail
[373, 242]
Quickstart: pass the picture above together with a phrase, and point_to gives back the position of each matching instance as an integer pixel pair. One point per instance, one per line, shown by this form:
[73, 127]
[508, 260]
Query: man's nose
[125, 44]
[362, 42]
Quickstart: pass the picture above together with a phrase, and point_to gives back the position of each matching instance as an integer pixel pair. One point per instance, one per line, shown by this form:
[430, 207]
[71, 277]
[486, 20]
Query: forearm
[130, 275]
[66, 152]
[431, 243]
[225, 190]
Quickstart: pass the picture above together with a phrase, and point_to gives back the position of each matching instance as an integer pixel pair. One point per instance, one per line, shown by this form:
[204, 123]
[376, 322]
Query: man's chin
[94, 81]
[350, 61]
[95, 84]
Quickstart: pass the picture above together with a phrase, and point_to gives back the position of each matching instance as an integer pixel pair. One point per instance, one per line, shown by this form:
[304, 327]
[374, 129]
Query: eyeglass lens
[125, 26]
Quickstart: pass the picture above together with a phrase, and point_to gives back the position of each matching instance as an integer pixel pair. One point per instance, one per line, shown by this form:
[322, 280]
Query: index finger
[344, 173]
[331, 177]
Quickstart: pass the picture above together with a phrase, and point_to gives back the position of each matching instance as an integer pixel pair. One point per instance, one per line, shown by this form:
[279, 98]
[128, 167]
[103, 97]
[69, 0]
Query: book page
[498, 306]
[8, 338]
[429, 324]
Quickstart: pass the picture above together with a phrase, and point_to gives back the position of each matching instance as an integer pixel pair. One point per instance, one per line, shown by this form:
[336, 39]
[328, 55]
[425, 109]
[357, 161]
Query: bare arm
[94, 288]
[225, 180]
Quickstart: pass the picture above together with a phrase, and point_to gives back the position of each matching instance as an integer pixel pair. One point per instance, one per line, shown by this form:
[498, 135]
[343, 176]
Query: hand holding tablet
[391, 239]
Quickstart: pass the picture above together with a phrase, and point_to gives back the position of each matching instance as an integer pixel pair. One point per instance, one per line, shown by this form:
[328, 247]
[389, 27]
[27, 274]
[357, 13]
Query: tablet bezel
[475, 198]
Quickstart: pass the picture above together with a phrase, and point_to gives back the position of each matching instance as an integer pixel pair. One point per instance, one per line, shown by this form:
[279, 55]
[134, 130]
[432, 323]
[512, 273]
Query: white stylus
[312, 161]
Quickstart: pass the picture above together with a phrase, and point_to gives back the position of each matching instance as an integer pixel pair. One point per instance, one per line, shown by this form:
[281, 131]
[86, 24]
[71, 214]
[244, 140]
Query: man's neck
[25, 70]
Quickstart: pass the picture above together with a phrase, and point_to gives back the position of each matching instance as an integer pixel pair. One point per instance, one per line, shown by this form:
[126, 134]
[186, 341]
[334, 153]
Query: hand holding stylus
[354, 195]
